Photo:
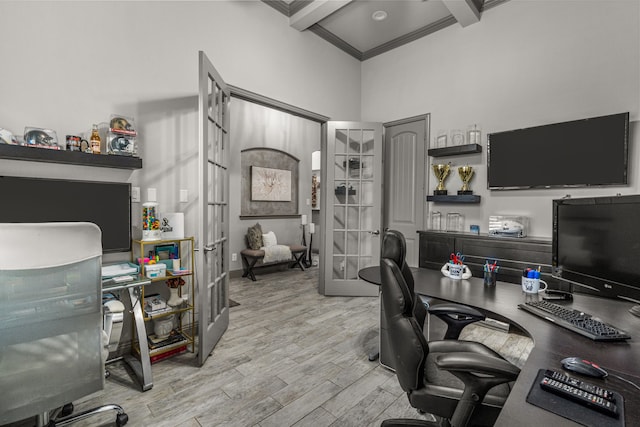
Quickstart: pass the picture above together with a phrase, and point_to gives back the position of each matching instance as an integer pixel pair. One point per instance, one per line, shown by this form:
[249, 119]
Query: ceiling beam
[315, 12]
[466, 12]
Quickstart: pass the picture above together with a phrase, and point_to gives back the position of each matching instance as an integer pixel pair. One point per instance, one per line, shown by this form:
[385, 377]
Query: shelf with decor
[454, 198]
[171, 321]
[455, 150]
[33, 154]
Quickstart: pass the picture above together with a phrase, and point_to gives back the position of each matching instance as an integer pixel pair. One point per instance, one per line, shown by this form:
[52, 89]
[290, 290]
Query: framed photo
[270, 184]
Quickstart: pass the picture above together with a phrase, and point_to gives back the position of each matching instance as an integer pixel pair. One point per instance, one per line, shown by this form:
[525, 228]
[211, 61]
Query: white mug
[456, 271]
[532, 286]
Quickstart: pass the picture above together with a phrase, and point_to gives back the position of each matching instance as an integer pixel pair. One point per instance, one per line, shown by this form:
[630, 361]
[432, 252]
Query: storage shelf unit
[187, 329]
[20, 152]
[455, 150]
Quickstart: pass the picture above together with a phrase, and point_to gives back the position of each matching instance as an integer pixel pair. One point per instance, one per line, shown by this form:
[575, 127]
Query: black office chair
[461, 383]
[456, 316]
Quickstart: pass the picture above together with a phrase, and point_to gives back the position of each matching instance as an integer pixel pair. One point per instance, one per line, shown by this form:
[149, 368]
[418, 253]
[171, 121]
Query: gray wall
[68, 65]
[255, 126]
[526, 63]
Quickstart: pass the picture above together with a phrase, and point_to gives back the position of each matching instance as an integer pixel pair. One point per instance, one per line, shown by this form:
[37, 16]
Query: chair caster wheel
[122, 419]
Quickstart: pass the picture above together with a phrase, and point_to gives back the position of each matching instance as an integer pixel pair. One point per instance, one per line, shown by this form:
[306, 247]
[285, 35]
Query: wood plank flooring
[290, 357]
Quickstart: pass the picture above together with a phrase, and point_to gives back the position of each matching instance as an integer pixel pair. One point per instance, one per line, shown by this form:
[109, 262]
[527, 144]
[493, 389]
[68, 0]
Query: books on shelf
[161, 356]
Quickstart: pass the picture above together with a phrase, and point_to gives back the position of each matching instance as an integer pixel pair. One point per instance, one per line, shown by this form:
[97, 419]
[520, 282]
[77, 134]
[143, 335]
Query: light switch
[135, 194]
[184, 196]
[151, 195]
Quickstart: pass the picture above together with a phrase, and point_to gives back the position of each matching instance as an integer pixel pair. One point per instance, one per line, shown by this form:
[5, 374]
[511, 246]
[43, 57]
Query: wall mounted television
[579, 153]
[106, 204]
[595, 244]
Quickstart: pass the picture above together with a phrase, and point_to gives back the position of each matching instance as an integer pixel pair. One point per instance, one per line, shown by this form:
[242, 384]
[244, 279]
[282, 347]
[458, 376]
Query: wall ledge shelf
[455, 198]
[19, 152]
[455, 150]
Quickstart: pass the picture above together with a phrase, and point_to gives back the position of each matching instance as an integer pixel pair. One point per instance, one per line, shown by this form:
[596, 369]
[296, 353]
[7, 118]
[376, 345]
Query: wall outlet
[135, 194]
[234, 257]
[184, 196]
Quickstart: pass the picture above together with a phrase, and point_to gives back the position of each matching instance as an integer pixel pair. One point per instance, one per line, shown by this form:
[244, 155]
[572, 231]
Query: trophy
[465, 172]
[440, 171]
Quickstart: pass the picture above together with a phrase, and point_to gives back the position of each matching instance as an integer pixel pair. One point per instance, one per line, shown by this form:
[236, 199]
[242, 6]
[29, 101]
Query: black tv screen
[596, 244]
[579, 153]
[106, 204]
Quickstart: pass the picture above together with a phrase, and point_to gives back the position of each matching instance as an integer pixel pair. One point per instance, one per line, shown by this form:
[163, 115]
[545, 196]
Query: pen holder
[490, 278]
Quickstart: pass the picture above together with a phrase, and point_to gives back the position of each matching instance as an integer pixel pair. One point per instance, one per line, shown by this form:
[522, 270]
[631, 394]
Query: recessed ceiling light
[379, 15]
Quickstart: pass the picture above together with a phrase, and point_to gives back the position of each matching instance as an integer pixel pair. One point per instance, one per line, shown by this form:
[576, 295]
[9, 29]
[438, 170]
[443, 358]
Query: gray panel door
[353, 200]
[213, 227]
[404, 166]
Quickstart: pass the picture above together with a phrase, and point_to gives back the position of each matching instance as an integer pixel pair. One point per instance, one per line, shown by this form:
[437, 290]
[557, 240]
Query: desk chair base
[121, 417]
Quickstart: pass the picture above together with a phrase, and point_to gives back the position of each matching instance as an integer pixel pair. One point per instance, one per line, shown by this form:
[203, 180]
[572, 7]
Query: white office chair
[51, 335]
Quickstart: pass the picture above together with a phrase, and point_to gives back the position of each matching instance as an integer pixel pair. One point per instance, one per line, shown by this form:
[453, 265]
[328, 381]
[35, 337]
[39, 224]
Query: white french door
[353, 200]
[213, 226]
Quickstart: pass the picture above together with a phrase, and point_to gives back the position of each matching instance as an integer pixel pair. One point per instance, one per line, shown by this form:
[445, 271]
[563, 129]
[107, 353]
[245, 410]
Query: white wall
[67, 65]
[526, 63]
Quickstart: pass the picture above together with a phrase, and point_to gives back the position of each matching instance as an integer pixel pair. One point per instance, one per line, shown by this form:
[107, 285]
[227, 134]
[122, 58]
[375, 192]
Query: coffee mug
[532, 286]
[456, 271]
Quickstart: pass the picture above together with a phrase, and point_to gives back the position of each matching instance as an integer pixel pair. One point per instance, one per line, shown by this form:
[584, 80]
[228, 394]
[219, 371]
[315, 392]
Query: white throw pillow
[269, 239]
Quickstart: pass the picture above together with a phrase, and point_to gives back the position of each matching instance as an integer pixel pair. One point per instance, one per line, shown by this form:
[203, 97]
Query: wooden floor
[290, 357]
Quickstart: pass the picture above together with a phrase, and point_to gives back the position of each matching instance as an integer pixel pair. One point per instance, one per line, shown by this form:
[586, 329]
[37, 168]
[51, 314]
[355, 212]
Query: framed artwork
[270, 184]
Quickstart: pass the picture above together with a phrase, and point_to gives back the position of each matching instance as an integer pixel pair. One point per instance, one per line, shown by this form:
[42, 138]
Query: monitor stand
[635, 310]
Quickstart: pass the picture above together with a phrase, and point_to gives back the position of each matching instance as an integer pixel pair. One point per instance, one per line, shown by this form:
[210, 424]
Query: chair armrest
[456, 316]
[479, 373]
[477, 363]
[455, 309]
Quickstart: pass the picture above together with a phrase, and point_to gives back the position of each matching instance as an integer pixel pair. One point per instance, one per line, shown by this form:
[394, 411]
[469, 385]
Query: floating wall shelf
[32, 154]
[455, 150]
[455, 198]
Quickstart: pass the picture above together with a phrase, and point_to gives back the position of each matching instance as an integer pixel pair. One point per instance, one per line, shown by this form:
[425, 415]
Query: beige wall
[524, 64]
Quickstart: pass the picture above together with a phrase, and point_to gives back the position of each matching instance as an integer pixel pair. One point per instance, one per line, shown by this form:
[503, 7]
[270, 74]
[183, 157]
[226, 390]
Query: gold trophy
[465, 172]
[441, 172]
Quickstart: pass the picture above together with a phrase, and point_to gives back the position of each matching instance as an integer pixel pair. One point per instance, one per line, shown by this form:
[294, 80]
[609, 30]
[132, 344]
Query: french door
[352, 194]
[213, 222]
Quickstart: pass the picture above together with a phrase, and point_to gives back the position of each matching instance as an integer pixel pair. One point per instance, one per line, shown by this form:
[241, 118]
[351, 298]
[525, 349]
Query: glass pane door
[354, 205]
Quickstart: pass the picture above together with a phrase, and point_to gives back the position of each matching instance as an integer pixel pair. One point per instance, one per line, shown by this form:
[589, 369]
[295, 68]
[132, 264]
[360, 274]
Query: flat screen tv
[579, 153]
[596, 245]
[106, 204]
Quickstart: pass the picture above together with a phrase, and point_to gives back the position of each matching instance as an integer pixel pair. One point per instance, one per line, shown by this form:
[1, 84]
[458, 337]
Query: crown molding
[288, 9]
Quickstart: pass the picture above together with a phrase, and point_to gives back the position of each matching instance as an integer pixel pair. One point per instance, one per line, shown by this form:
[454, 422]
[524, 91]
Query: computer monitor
[596, 246]
[106, 204]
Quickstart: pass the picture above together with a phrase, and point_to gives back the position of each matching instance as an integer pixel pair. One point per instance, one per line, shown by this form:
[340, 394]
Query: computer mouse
[584, 367]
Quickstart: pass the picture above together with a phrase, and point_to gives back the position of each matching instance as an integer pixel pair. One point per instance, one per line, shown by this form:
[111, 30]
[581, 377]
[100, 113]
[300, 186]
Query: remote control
[589, 388]
[582, 397]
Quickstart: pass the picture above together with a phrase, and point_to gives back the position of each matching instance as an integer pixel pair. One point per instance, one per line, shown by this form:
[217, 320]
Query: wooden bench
[252, 258]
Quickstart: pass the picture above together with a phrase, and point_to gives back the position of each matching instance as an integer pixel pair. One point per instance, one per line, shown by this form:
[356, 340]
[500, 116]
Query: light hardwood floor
[290, 357]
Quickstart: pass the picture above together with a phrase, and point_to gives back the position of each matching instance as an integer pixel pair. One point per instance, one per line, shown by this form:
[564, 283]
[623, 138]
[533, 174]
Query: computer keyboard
[575, 320]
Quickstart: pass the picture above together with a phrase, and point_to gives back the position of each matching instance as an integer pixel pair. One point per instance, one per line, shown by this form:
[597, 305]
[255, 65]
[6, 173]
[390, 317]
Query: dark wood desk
[552, 342]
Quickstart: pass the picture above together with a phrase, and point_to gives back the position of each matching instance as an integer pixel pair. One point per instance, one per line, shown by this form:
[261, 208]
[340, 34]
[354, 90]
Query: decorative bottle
[95, 140]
